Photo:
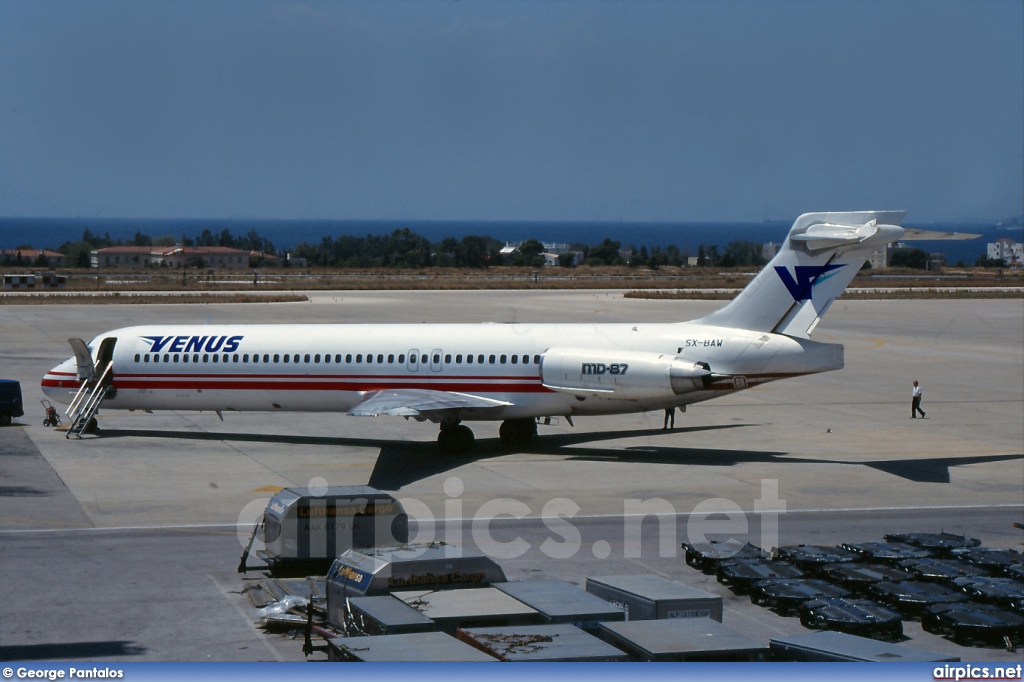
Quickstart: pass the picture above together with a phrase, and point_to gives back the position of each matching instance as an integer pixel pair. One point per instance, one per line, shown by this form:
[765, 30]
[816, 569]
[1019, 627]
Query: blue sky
[511, 110]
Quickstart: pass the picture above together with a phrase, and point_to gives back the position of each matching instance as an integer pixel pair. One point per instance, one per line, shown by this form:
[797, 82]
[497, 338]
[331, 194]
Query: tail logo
[806, 277]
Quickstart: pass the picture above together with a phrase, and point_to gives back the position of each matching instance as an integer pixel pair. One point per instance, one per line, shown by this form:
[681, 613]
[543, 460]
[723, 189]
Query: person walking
[670, 418]
[915, 404]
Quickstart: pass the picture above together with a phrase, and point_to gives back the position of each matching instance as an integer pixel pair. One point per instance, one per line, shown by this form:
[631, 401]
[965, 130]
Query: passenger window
[369, 358]
[234, 358]
[227, 358]
[167, 357]
[515, 359]
[184, 358]
[423, 360]
[266, 357]
[359, 357]
[337, 358]
[391, 359]
[536, 359]
[469, 359]
[156, 357]
[206, 357]
[348, 358]
[306, 358]
[245, 358]
[448, 359]
[380, 358]
[526, 359]
[146, 358]
[458, 359]
[437, 358]
[277, 358]
[195, 358]
[480, 359]
[137, 357]
[287, 358]
[296, 358]
[177, 357]
[216, 358]
[401, 359]
[491, 359]
[503, 359]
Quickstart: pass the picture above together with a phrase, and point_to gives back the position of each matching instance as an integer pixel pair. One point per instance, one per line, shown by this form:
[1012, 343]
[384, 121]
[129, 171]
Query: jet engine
[628, 375]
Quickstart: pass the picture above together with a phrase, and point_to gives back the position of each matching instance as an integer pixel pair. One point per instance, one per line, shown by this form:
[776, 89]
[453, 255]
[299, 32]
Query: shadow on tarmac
[401, 463]
[64, 650]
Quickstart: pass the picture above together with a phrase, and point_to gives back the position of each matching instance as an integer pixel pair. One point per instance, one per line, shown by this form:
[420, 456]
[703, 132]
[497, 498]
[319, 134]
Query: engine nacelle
[628, 375]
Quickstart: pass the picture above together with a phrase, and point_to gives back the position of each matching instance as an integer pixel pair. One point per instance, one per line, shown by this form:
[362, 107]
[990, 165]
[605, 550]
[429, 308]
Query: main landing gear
[456, 438]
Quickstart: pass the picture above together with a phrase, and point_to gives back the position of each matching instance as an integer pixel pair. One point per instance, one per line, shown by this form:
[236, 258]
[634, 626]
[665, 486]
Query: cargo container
[384, 615]
[305, 530]
[362, 572]
[682, 639]
[421, 647]
[651, 597]
[557, 642]
[559, 602]
[838, 647]
[474, 607]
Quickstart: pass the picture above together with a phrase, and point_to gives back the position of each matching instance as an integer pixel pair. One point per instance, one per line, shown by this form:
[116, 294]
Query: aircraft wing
[418, 402]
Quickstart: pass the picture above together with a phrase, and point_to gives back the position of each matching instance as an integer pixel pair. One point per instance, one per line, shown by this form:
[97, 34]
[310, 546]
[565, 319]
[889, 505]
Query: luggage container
[707, 557]
[939, 544]
[384, 615]
[682, 639]
[474, 607]
[811, 558]
[941, 570]
[828, 646]
[995, 561]
[420, 647]
[968, 624]
[740, 576]
[861, 617]
[785, 596]
[651, 597]
[554, 642]
[859, 577]
[887, 553]
[362, 572]
[303, 531]
[1006, 593]
[560, 602]
[10, 401]
[912, 597]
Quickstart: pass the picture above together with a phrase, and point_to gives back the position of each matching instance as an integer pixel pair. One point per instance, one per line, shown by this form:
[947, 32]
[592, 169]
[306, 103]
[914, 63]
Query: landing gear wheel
[46, 422]
[517, 433]
[455, 440]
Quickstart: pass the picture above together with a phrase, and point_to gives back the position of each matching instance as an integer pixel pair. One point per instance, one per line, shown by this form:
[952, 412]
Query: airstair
[87, 401]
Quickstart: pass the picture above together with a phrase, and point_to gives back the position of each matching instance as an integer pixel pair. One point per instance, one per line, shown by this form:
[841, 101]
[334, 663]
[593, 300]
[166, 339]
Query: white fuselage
[331, 367]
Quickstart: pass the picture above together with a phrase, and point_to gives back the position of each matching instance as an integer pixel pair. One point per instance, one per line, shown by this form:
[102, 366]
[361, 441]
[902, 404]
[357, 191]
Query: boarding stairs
[87, 401]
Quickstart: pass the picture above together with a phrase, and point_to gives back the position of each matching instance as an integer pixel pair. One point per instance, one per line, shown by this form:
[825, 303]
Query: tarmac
[123, 547]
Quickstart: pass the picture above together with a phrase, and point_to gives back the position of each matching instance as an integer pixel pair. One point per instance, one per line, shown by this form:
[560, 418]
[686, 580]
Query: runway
[135, 531]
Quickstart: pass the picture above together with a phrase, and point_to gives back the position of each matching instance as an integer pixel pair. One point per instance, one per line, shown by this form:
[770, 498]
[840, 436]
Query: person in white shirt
[915, 405]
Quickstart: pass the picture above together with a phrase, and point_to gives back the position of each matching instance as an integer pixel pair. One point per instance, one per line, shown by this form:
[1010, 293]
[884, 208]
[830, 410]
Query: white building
[1009, 250]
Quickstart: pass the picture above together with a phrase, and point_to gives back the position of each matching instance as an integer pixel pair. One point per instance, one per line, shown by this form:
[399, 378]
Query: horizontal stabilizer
[911, 235]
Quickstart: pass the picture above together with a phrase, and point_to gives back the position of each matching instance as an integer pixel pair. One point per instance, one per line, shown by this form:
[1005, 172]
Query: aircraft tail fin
[818, 260]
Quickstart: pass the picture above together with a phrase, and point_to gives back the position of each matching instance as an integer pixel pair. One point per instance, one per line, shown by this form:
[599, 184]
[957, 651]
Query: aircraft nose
[61, 383]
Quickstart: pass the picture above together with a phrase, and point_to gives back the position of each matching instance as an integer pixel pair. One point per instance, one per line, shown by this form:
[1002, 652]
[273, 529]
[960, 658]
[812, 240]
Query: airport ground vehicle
[10, 401]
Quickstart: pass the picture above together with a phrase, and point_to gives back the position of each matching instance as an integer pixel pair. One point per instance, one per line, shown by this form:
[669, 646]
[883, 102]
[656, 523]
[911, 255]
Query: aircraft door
[414, 360]
[86, 368]
[435, 359]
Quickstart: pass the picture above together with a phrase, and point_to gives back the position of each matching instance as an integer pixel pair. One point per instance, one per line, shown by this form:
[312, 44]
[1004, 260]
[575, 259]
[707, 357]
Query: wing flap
[416, 402]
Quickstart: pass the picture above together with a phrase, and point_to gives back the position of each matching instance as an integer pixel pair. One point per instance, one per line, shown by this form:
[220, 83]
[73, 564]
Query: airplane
[518, 374]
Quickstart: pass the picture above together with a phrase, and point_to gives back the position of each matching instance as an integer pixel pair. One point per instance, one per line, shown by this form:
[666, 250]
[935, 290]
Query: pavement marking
[425, 524]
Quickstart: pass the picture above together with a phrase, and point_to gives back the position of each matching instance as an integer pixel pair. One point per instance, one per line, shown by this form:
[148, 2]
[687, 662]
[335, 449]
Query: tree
[605, 253]
[742, 253]
[985, 262]
[909, 258]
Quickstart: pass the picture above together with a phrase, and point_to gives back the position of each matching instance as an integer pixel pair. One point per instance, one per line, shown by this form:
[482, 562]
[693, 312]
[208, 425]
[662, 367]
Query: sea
[50, 233]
